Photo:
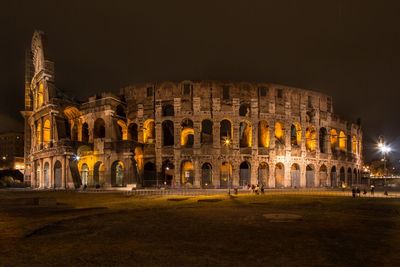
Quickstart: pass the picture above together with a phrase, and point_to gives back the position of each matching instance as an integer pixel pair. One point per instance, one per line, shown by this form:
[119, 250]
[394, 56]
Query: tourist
[353, 192]
[372, 189]
[358, 191]
[365, 191]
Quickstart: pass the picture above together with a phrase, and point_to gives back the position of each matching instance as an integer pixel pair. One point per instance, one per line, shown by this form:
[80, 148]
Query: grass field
[88, 229]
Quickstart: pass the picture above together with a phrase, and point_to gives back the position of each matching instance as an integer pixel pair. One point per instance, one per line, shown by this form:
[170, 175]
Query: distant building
[12, 151]
[209, 134]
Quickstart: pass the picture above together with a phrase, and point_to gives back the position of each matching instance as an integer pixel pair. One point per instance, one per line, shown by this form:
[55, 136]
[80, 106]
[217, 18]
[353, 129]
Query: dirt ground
[109, 229]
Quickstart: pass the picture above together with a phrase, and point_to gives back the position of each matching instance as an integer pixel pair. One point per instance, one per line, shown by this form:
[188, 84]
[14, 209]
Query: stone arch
[333, 140]
[98, 173]
[295, 175]
[206, 175]
[187, 172]
[167, 133]
[133, 132]
[349, 144]
[117, 173]
[263, 174]
[263, 134]
[342, 177]
[311, 139]
[40, 96]
[46, 132]
[333, 177]
[279, 175]
[245, 173]
[323, 140]
[342, 141]
[323, 176]
[225, 175]
[295, 134]
[206, 136]
[122, 130]
[168, 172]
[187, 133]
[149, 174]
[85, 132]
[310, 175]
[57, 174]
[149, 131]
[168, 110]
[245, 134]
[245, 110]
[354, 144]
[279, 134]
[85, 174]
[46, 175]
[225, 130]
[99, 130]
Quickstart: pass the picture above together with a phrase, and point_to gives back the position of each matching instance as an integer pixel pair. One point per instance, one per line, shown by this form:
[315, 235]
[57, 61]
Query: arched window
[311, 139]
[245, 134]
[117, 173]
[122, 130]
[168, 133]
[334, 140]
[354, 144]
[342, 141]
[99, 130]
[225, 130]
[244, 110]
[206, 132]
[46, 132]
[263, 134]
[149, 133]
[40, 95]
[85, 174]
[323, 140]
[295, 134]
[279, 134]
[348, 146]
[187, 133]
[206, 175]
[187, 172]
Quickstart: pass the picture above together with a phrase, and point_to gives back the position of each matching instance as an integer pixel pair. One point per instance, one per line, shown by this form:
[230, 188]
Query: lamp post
[385, 149]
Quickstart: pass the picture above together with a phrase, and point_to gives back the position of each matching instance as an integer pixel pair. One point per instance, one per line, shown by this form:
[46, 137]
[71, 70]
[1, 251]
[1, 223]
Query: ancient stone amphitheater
[200, 134]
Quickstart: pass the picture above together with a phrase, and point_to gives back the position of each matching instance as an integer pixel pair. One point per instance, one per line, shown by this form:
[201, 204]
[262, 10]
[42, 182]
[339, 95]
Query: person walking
[358, 192]
[372, 189]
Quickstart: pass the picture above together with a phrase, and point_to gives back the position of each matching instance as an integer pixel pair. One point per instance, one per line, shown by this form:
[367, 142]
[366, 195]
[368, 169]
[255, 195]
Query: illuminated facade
[185, 134]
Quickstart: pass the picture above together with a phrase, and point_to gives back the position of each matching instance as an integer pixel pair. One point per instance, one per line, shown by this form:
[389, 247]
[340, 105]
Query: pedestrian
[358, 191]
[262, 189]
[257, 189]
[353, 192]
[365, 191]
[372, 189]
[386, 193]
[253, 188]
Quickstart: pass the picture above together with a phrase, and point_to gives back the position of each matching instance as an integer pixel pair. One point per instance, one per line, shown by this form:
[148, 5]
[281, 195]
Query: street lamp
[385, 149]
[227, 143]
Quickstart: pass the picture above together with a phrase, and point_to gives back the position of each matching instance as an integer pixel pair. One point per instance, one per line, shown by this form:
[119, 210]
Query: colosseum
[192, 134]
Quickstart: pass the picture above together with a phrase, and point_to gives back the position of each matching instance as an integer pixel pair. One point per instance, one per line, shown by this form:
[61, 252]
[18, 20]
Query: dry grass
[116, 230]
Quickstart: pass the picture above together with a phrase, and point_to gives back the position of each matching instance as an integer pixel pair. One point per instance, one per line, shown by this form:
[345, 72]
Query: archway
[225, 175]
[244, 174]
[279, 134]
[46, 132]
[206, 175]
[334, 140]
[99, 130]
[323, 140]
[57, 174]
[168, 133]
[354, 144]
[244, 110]
[263, 134]
[117, 173]
[279, 175]
[187, 173]
[263, 174]
[85, 174]
[295, 135]
[206, 132]
[311, 139]
[46, 175]
[323, 176]
[149, 174]
[333, 177]
[295, 175]
[310, 176]
[149, 132]
[342, 141]
[342, 177]
[187, 133]
[168, 170]
[245, 134]
[98, 173]
[225, 130]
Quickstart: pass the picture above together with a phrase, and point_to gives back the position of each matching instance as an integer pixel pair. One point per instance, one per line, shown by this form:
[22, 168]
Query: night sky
[347, 49]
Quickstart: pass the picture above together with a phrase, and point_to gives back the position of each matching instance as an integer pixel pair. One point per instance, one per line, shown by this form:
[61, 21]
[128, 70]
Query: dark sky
[347, 49]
